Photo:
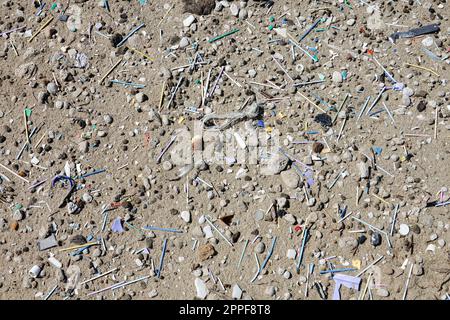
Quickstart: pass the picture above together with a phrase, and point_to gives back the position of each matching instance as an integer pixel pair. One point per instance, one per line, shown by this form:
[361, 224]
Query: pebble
[18, 215]
[83, 146]
[363, 170]
[189, 20]
[427, 42]
[382, 292]
[52, 88]
[260, 247]
[418, 270]
[202, 290]
[403, 230]
[291, 254]
[184, 42]
[337, 77]
[206, 251]
[152, 293]
[290, 178]
[208, 232]
[141, 97]
[237, 292]
[252, 73]
[270, 291]
[186, 216]
[274, 165]
[375, 239]
[243, 14]
[234, 9]
[290, 218]
[259, 215]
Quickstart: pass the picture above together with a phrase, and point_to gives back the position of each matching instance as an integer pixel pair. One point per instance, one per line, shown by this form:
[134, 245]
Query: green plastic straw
[223, 35]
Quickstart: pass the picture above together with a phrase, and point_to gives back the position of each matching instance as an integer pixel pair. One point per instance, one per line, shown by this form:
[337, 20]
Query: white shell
[404, 229]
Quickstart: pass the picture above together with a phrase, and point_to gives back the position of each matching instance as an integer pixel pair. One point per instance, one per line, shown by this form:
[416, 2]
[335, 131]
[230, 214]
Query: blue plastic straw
[337, 270]
[162, 229]
[274, 240]
[300, 258]
[161, 261]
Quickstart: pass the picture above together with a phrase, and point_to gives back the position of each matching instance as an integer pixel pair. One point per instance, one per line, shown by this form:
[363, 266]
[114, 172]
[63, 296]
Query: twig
[161, 99]
[407, 281]
[41, 28]
[99, 276]
[436, 123]
[242, 254]
[15, 174]
[423, 68]
[307, 99]
[257, 269]
[370, 265]
[281, 67]
[220, 233]
[110, 70]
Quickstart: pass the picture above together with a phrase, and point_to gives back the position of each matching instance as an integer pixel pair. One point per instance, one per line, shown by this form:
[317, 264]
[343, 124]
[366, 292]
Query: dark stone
[362, 239]
[421, 106]
[78, 239]
[375, 239]
[323, 119]
[317, 147]
[199, 7]
[115, 39]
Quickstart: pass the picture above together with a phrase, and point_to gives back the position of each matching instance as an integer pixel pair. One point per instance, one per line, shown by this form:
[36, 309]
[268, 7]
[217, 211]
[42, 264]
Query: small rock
[363, 170]
[188, 21]
[186, 216]
[141, 97]
[421, 106]
[202, 290]
[260, 247]
[382, 292]
[270, 291]
[337, 77]
[259, 215]
[153, 293]
[290, 178]
[83, 146]
[291, 254]
[427, 42]
[234, 9]
[18, 215]
[404, 229]
[431, 247]
[418, 270]
[184, 42]
[375, 239]
[317, 147]
[274, 165]
[243, 14]
[206, 251]
[290, 218]
[237, 292]
[52, 88]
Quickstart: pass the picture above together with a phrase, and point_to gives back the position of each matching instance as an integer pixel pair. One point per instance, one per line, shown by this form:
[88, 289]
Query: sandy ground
[87, 126]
